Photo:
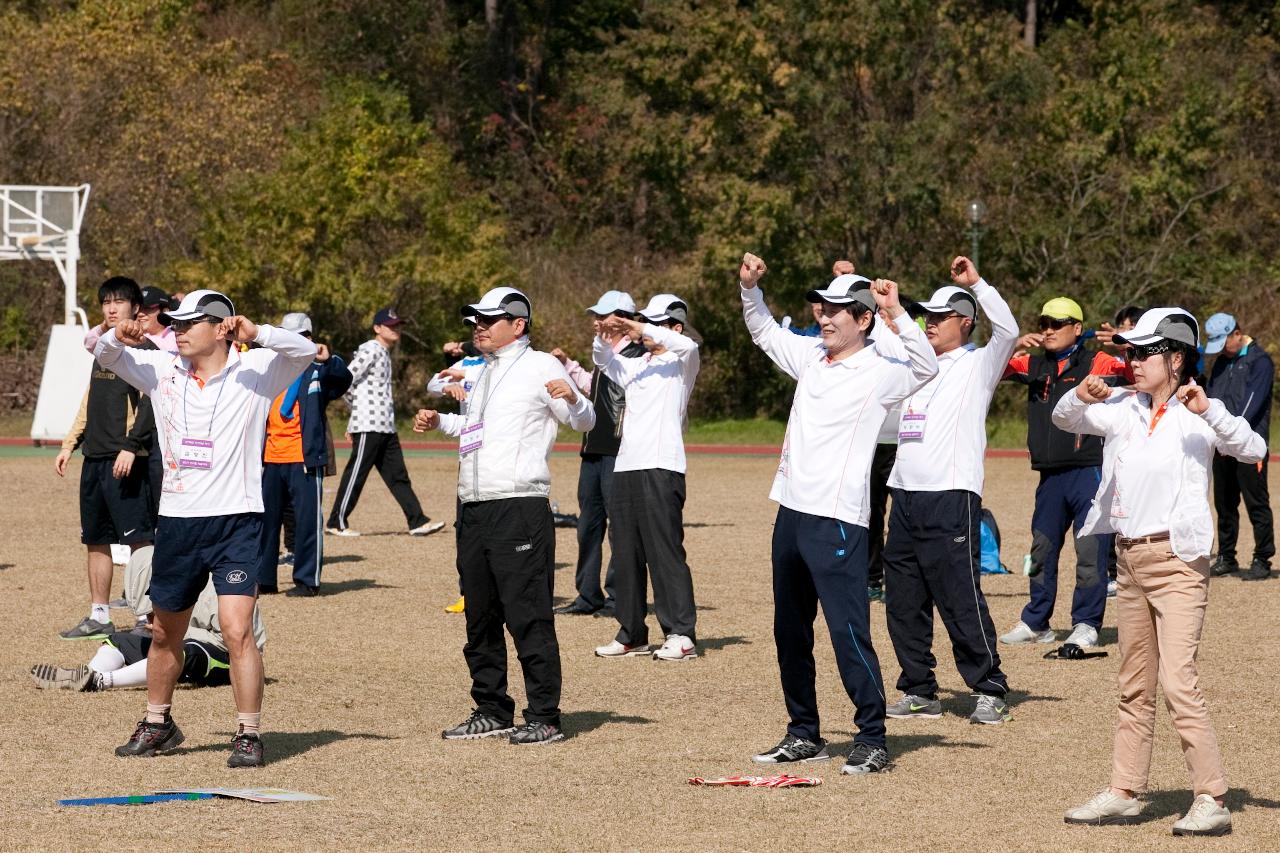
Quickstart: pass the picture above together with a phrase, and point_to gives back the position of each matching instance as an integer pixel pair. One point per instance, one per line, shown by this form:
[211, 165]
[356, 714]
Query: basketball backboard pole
[43, 224]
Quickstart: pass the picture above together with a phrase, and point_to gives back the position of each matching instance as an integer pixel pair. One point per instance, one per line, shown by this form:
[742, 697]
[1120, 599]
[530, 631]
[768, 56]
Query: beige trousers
[1159, 605]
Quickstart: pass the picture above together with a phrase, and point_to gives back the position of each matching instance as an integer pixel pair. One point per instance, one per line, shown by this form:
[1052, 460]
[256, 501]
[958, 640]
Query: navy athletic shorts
[189, 550]
[114, 510]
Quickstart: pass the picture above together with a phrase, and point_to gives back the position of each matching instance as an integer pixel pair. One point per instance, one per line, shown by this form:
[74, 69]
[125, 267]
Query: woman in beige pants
[1160, 441]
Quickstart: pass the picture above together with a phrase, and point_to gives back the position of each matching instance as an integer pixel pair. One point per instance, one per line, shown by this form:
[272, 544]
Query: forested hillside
[338, 155]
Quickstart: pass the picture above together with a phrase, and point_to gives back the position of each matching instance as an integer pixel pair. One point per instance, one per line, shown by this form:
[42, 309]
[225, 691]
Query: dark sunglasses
[183, 325]
[1142, 353]
[1056, 323]
[932, 319]
[485, 322]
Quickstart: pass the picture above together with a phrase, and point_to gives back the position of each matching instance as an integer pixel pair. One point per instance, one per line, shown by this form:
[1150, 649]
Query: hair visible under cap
[120, 287]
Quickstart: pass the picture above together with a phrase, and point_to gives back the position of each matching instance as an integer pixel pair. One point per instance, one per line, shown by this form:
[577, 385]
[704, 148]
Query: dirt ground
[363, 678]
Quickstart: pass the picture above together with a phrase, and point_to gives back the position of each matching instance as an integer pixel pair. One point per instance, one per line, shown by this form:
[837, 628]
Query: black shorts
[190, 550]
[114, 510]
[204, 664]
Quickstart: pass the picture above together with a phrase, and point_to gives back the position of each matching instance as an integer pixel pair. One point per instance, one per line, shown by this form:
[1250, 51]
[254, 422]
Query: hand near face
[239, 329]
[885, 293]
[1193, 397]
[129, 333]
[1093, 390]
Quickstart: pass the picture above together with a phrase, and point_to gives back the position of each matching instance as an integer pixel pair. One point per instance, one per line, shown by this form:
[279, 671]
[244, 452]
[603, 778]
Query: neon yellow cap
[1062, 308]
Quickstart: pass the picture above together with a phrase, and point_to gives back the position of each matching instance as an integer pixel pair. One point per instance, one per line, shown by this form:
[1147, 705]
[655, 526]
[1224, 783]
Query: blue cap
[614, 301]
[1216, 329]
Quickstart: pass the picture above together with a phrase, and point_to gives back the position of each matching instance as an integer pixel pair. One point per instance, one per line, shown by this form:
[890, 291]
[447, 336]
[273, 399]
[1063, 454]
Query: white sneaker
[1084, 636]
[618, 650]
[1022, 634]
[1205, 817]
[427, 529]
[1111, 589]
[677, 647]
[346, 531]
[1106, 807]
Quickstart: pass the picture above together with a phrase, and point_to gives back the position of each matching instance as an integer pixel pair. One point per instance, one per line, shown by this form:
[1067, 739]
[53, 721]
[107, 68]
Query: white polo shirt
[657, 392]
[512, 417]
[837, 410]
[229, 411]
[951, 454]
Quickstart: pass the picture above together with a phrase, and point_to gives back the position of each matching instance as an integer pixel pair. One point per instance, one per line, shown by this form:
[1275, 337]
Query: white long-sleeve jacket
[230, 410]
[507, 394]
[1157, 479]
[837, 410]
[657, 391]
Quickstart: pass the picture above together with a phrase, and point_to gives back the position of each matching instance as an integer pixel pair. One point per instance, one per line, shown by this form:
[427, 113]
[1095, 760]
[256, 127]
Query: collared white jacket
[657, 390]
[508, 394]
[837, 410]
[230, 410]
[1179, 452]
[951, 456]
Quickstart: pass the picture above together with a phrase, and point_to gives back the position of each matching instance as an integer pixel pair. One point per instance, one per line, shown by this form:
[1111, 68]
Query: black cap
[154, 296]
[387, 317]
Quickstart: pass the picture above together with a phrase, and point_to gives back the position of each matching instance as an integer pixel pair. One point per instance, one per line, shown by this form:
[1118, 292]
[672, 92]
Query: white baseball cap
[200, 304]
[845, 290]
[1162, 324]
[612, 301]
[951, 298]
[296, 322]
[500, 301]
[664, 307]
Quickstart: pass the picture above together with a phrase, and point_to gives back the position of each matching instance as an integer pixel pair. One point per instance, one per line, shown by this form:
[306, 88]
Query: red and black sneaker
[150, 739]
[246, 751]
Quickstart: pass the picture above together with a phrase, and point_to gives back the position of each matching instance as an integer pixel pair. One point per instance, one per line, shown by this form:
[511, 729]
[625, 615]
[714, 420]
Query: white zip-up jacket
[657, 399]
[951, 456]
[508, 395]
[1166, 486]
[230, 410]
[837, 410]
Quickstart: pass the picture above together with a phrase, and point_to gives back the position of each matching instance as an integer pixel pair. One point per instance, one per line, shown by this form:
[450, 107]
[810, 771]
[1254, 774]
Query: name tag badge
[911, 427]
[196, 453]
[472, 438]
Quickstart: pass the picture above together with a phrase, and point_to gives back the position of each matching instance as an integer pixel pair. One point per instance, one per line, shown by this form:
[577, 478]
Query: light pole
[977, 212]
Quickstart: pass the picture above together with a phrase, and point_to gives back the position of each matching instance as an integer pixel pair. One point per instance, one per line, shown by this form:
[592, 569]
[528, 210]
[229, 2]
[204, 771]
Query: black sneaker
[1259, 571]
[536, 734]
[246, 751]
[152, 739]
[478, 725]
[865, 758]
[302, 591]
[606, 612]
[794, 749]
[1223, 566]
[576, 608]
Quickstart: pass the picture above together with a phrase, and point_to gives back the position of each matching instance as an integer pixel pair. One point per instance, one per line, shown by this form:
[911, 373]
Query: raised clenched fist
[751, 271]
[963, 272]
[129, 332]
[885, 293]
[1193, 397]
[842, 267]
[1093, 390]
[426, 419]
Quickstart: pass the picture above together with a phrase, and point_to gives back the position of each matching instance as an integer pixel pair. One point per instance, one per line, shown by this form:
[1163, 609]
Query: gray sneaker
[990, 711]
[794, 749]
[88, 629]
[915, 706]
[478, 725]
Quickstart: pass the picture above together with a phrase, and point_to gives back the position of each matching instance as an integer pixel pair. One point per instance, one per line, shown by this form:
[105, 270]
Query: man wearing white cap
[211, 404]
[294, 458]
[599, 452]
[506, 538]
[1242, 377]
[932, 553]
[647, 511]
[846, 385]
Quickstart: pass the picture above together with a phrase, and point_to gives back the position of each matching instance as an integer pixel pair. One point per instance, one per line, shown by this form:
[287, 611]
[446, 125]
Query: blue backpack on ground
[989, 542]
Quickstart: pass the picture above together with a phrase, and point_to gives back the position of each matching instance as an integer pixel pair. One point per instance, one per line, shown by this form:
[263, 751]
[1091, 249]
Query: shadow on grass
[4, 566]
[1108, 636]
[900, 745]
[343, 558]
[353, 585]
[715, 644]
[1165, 804]
[282, 745]
[576, 723]
[694, 524]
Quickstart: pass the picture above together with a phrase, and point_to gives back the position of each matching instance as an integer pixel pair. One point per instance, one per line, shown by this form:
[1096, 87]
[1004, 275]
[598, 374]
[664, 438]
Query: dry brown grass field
[363, 678]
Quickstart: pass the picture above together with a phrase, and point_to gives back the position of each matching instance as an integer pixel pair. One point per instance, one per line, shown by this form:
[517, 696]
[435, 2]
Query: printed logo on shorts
[237, 576]
[959, 539]
[528, 546]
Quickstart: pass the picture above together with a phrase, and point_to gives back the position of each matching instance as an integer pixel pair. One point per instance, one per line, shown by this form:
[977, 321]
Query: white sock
[107, 659]
[100, 613]
[133, 675]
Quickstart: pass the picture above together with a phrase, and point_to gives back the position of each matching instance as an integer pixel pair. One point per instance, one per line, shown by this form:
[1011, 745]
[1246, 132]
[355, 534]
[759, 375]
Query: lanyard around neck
[186, 421]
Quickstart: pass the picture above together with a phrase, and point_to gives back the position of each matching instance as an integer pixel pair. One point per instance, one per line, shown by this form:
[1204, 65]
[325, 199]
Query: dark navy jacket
[1243, 384]
[326, 381]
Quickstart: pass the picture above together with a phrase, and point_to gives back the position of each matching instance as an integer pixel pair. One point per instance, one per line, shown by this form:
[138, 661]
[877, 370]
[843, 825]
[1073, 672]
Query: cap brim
[827, 296]
[1137, 340]
[1213, 346]
[168, 317]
